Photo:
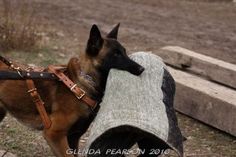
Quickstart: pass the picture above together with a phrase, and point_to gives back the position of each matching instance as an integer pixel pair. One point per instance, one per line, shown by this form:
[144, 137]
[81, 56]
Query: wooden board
[211, 68]
[206, 101]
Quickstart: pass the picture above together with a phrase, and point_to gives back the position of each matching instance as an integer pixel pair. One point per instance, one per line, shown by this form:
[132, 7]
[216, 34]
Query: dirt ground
[205, 27]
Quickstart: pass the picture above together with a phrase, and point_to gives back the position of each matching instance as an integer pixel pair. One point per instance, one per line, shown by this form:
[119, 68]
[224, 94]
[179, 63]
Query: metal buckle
[18, 69]
[80, 96]
[32, 90]
[72, 88]
[95, 106]
[19, 73]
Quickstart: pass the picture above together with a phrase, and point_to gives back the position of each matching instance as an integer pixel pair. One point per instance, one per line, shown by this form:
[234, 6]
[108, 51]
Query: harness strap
[4, 60]
[22, 75]
[39, 103]
[79, 93]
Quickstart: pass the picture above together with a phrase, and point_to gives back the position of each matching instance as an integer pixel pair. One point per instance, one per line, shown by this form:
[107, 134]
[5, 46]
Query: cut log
[214, 69]
[206, 101]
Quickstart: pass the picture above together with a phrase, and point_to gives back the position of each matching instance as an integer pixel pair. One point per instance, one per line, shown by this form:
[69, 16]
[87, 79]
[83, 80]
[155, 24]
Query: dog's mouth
[133, 67]
[137, 71]
[141, 70]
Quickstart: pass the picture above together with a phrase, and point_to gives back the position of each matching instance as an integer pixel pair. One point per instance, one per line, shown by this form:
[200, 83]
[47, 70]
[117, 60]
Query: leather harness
[55, 73]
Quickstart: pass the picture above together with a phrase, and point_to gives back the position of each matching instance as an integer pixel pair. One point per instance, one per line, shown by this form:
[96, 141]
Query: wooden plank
[211, 68]
[206, 101]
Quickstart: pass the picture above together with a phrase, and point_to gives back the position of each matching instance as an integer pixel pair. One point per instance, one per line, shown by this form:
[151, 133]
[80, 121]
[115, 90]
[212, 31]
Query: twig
[5, 153]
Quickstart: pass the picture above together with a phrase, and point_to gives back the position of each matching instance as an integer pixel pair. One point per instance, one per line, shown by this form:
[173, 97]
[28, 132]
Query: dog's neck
[89, 77]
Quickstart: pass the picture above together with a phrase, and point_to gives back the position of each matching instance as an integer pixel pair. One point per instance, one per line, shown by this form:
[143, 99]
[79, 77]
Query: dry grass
[18, 27]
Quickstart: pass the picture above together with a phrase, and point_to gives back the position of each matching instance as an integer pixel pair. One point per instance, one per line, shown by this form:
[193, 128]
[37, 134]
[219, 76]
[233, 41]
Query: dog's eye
[117, 54]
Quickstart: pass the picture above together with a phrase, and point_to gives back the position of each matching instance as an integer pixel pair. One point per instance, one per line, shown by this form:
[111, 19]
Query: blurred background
[46, 32]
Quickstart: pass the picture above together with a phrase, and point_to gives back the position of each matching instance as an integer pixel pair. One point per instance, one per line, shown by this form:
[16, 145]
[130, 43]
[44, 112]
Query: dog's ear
[114, 32]
[95, 41]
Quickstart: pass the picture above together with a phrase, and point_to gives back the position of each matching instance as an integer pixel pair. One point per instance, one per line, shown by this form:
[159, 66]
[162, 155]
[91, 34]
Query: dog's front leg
[57, 140]
[77, 130]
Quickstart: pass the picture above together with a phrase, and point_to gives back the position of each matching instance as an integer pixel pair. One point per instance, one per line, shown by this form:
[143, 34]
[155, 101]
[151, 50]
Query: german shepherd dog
[70, 117]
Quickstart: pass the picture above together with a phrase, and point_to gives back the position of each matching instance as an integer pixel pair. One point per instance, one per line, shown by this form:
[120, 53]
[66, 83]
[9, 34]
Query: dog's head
[108, 53]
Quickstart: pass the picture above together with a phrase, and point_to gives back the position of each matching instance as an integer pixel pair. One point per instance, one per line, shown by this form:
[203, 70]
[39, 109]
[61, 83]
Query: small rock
[62, 55]
[32, 65]
[60, 34]
[190, 137]
[46, 38]
[40, 55]
[55, 48]
[43, 34]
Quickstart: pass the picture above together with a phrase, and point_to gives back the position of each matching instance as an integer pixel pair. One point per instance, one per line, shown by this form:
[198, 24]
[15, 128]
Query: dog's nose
[141, 69]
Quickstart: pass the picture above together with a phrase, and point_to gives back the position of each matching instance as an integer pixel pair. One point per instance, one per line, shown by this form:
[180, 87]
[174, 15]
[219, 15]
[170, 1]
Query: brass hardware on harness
[39, 103]
[78, 92]
[73, 87]
[32, 90]
[80, 96]
[18, 69]
[57, 74]
[14, 67]
[19, 73]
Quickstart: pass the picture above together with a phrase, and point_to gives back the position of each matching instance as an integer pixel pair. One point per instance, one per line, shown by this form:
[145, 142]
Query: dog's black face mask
[110, 53]
[117, 58]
